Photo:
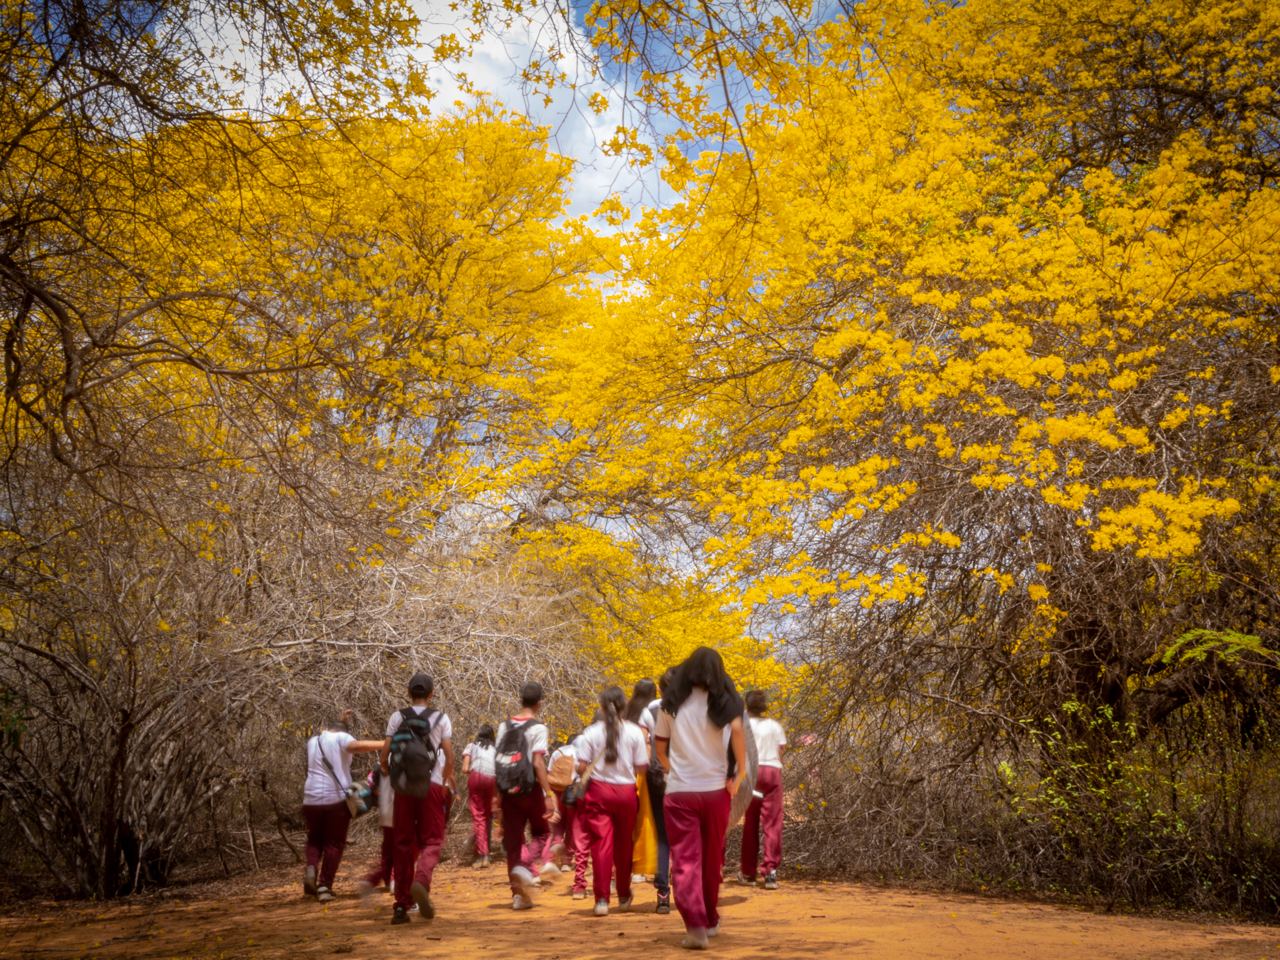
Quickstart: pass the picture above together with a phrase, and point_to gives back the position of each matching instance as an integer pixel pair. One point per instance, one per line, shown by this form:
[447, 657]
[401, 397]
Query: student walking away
[482, 790]
[657, 790]
[765, 812]
[526, 798]
[699, 724]
[324, 803]
[381, 874]
[612, 755]
[645, 849]
[417, 756]
[568, 834]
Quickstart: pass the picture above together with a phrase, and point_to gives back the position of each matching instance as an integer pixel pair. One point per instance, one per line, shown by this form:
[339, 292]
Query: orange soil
[268, 917]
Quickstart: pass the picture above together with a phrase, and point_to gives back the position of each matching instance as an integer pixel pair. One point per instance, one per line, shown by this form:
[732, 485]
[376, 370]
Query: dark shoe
[664, 905]
[399, 915]
[309, 881]
[771, 880]
[423, 899]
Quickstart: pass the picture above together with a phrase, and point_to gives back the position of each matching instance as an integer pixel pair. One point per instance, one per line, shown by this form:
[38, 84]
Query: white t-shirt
[481, 758]
[769, 737]
[320, 788]
[649, 715]
[698, 749]
[535, 734]
[441, 733]
[633, 753]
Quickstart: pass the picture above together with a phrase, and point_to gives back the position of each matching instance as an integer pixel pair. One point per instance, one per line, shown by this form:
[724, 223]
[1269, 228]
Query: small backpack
[563, 770]
[513, 765]
[413, 755]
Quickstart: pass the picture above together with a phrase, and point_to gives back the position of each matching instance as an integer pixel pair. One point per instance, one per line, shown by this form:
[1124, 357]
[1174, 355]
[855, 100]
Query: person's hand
[553, 813]
[732, 786]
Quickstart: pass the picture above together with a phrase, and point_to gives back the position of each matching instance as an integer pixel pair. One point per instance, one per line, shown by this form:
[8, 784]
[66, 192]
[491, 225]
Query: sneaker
[548, 868]
[624, 905]
[664, 905]
[637, 878]
[398, 915]
[566, 868]
[558, 853]
[309, 881]
[423, 899]
[527, 882]
[521, 903]
[771, 880]
[745, 880]
[601, 908]
[713, 931]
[579, 894]
[324, 894]
[695, 940]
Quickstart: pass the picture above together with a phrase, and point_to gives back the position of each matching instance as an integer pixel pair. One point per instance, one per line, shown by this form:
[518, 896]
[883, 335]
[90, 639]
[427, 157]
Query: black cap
[421, 685]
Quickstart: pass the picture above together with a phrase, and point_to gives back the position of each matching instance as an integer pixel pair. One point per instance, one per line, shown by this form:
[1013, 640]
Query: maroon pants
[518, 811]
[327, 825]
[481, 790]
[763, 814]
[609, 810]
[571, 830]
[381, 874]
[696, 825]
[419, 835]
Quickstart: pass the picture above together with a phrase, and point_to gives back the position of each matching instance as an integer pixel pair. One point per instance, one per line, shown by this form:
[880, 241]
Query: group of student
[662, 768]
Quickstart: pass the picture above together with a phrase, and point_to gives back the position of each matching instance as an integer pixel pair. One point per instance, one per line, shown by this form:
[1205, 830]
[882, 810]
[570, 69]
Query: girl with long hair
[482, 791]
[645, 853]
[699, 724]
[611, 754]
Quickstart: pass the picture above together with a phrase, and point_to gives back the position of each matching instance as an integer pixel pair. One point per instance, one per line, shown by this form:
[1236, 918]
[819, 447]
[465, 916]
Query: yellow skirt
[645, 856]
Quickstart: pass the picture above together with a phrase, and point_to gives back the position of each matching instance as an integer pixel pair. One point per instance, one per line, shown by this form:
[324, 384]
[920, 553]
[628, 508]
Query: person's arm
[364, 746]
[661, 747]
[738, 741]
[466, 763]
[449, 781]
[540, 768]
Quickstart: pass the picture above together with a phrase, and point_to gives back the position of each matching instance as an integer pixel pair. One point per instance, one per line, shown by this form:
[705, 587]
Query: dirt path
[475, 918]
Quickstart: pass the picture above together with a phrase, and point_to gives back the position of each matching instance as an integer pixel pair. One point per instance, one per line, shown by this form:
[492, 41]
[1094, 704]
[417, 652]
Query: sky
[576, 131]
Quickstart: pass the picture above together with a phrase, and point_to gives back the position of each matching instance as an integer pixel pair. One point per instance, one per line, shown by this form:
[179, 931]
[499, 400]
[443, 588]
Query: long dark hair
[641, 696]
[484, 736]
[613, 704]
[704, 668]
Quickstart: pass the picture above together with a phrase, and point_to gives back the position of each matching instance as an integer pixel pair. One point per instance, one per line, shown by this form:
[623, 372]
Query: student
[324, 802]
[612, 753]
[482, 796]
[568, 833]
[525, 796]
[700, 721]
[765, 811]
[657, 785]
[381, 874]
[645, 854]
[419, 820]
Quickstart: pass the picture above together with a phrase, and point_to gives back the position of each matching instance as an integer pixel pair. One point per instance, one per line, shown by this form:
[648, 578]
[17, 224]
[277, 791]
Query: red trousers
[419, 833]
[327, 825]
[481, 790]
[572, 831]
[518, 811]
[609, 810]
[696, 825]
[381, 874]
[763, 814]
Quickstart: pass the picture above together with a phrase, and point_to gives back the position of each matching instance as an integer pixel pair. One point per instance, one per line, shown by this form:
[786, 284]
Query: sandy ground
[266, 916]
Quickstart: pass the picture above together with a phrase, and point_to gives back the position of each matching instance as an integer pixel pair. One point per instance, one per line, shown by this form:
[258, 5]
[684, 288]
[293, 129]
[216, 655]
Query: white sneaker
[527, 881]
[601, 908]
[548, 868]
[521, 903]
[637, 878]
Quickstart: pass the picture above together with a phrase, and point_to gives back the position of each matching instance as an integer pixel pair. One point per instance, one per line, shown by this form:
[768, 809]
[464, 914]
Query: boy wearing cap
[419, 822]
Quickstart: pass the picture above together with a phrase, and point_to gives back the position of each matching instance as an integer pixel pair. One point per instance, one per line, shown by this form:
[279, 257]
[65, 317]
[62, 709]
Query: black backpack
[513, 765]
[413, 755]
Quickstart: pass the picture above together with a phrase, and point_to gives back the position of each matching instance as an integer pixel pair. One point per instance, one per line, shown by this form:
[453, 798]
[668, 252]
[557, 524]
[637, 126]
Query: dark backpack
[513, 764]
[413, 755]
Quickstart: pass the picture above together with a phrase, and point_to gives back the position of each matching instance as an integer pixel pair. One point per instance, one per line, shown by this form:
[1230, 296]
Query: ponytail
[613, 703]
